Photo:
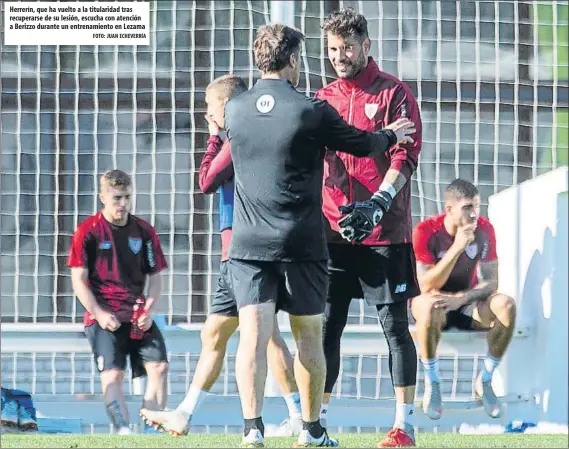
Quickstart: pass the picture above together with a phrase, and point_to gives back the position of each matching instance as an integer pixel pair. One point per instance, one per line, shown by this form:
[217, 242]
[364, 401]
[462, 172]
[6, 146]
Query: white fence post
[282, 11]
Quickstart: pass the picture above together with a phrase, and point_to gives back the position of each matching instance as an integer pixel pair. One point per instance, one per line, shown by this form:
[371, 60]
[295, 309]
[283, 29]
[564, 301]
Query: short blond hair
[115, 179]
[227, 86]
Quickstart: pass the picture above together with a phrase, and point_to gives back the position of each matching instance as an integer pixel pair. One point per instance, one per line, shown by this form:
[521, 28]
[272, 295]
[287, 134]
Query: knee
[157, 369]
[425, 313]
[398, 335]
[504, 308]
[213, 337]
[307, 332]
[112, 377]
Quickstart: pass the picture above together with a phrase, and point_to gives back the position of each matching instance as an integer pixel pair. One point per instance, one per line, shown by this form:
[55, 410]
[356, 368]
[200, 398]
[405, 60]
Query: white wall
[531, 230]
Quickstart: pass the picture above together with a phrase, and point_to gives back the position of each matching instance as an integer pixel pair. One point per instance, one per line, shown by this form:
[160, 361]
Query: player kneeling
[457, 269]
[216, 172]
[113, 255]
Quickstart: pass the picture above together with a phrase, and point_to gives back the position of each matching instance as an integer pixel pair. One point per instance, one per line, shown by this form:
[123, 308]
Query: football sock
[314, 428]
[293, 403]
[490, 364]
[194, 398]
[404, 415]
[324, 411]
[254, 423]
[431, 367]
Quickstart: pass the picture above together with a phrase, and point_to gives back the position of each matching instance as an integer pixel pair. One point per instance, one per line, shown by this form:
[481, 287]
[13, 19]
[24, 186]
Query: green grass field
[438, 440]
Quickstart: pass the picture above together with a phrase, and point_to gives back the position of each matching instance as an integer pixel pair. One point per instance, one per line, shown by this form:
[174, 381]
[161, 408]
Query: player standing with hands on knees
[113, 256]
[278, 138]
[457, 268]
[216, 173]
[367, 202]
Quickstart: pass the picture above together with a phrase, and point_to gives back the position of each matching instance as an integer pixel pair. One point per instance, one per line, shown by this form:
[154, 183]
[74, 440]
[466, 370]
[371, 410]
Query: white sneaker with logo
[305, 439]
[253, 439]
[175, 422]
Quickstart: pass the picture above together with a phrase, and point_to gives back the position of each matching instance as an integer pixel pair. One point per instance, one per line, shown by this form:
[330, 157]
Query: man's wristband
[386, 187]
[383, 198]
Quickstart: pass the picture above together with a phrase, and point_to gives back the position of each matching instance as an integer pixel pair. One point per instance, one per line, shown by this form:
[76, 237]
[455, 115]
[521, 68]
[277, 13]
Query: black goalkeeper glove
[362, 217]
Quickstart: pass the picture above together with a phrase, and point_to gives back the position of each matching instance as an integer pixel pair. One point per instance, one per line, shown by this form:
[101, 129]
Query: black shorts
[111, 349]
[378, 274]
[223, 301]
[460, 319]
[257, 282]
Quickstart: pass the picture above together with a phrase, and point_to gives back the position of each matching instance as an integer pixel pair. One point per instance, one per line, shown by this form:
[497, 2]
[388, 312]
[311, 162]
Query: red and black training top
[431, 241]
[118, 259]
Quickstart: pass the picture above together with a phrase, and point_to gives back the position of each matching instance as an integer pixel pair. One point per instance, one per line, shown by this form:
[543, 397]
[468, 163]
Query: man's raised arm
[432, 276]
[338, 135]
[216, 166]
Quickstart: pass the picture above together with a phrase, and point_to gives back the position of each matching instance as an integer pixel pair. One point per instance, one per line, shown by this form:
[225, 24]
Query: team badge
[135, 244]
[472, 250]
[371, 109]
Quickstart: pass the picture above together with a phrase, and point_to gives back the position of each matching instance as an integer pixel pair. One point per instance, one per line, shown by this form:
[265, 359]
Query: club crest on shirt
[371, 109]
[135, 244]
[472, 250]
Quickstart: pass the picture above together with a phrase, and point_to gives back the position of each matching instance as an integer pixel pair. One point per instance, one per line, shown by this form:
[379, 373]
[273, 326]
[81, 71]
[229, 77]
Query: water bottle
[136, 333]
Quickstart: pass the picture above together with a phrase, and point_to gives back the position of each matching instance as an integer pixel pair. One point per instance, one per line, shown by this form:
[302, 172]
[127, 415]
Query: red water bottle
[136, 333]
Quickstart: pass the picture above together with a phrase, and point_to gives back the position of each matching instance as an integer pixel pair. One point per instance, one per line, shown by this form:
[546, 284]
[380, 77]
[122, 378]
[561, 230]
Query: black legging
[393, 319]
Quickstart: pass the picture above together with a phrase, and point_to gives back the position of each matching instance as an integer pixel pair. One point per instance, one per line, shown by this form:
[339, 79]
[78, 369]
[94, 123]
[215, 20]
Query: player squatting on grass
[216, 173]
[278, 141]
[113, 255]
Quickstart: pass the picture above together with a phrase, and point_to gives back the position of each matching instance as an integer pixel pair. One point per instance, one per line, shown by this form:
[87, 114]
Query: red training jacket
[216, 169]
[216, 166]
[369, 102]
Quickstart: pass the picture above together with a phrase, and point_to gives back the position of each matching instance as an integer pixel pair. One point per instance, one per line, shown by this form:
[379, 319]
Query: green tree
[554, 29]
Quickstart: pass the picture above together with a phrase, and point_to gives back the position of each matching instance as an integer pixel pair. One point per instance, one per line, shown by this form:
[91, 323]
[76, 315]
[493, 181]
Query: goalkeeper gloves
[362, 217]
